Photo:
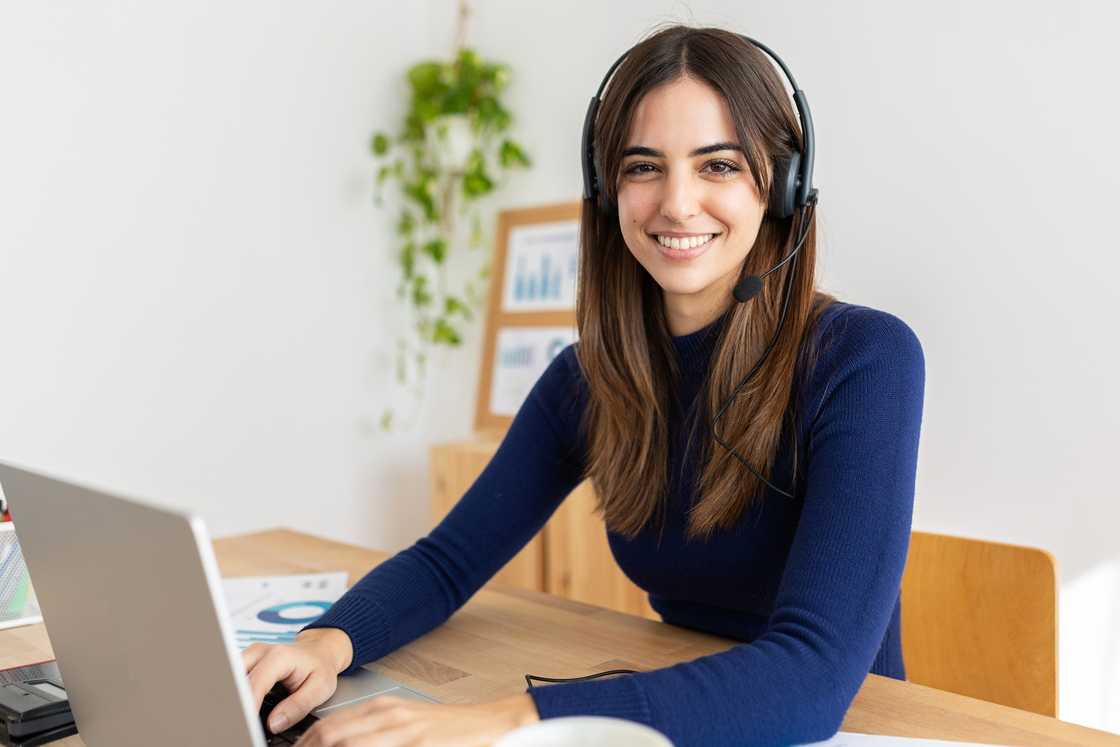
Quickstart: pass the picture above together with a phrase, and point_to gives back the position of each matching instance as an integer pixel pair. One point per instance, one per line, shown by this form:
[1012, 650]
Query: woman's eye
[720, 168]
[726, 167]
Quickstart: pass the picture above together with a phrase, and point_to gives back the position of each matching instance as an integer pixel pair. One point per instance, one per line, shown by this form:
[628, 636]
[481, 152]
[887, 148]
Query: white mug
[584, 731]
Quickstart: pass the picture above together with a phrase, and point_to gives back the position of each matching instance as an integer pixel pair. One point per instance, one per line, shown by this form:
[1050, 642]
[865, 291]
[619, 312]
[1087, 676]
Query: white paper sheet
[272, 609]
[852, 739]
[521, 356]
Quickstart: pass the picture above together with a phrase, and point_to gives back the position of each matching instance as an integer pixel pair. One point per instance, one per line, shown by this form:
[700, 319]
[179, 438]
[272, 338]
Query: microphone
[747, 288]
[751, 285]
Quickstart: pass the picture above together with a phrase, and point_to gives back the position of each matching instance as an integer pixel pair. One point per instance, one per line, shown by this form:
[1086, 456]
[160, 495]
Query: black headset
[791, 190]
[792, 186]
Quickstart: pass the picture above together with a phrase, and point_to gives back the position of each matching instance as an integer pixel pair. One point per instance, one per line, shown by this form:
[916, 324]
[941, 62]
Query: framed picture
[532, 309]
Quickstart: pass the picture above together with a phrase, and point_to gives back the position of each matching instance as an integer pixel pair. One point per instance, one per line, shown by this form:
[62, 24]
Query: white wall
[195, 290]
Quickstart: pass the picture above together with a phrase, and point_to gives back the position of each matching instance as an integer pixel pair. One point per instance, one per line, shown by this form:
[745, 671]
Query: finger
[304, 698]
[253, 654]
[274, 666]
[407, 735]
[354, 722]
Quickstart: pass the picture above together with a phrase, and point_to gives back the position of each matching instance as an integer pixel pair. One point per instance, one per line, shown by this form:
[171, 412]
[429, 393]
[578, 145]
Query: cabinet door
[578, 561]
[454, 468]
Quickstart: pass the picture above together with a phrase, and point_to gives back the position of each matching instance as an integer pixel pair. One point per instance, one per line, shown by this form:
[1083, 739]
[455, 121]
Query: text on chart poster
[522, 355]
[542, 266]
[272, 609]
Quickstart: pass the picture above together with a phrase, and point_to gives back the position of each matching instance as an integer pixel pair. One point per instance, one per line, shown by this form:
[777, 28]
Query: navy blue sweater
[810, 586]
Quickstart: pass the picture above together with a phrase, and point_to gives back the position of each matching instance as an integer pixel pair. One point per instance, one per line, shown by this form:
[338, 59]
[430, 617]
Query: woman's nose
[681, 199]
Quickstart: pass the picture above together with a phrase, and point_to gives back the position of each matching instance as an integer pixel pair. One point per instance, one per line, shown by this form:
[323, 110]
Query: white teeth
[689, 242]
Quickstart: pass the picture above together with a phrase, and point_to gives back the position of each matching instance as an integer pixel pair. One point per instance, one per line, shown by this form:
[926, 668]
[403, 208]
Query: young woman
[781, 520]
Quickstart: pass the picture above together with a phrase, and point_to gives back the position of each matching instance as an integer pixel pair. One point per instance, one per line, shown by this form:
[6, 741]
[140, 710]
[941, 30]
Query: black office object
[34, 708]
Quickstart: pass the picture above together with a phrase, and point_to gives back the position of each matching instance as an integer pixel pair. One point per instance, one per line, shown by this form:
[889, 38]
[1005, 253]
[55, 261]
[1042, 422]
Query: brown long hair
[625, 349]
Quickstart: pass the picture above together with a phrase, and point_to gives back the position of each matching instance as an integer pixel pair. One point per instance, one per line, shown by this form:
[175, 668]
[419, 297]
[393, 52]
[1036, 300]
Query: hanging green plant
[445, 159]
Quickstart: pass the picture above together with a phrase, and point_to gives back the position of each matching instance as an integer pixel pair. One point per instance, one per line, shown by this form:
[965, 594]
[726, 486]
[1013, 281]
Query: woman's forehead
[678, 117]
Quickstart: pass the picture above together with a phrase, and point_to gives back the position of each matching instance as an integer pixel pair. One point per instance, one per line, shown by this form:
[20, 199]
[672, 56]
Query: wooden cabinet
[569, 557]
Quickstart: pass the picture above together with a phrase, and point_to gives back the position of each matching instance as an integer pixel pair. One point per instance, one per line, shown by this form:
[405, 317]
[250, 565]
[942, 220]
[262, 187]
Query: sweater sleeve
[795, 681]
[533, 470]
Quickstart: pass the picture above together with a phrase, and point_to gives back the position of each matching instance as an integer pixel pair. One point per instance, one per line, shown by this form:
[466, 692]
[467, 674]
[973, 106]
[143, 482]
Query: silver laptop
[133, 603]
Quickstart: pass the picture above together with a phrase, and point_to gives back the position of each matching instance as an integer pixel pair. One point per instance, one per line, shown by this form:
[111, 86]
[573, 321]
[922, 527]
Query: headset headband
[793, 180]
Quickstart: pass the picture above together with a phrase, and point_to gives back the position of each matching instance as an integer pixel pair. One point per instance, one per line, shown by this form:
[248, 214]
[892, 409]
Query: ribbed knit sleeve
[534, 468]
[795, 681]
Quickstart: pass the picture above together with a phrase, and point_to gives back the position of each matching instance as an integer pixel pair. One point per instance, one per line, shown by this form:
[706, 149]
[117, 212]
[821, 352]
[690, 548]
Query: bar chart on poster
[272, 609]
[542, 267]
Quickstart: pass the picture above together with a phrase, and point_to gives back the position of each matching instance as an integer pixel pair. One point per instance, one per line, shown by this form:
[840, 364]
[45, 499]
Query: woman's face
[669, 191]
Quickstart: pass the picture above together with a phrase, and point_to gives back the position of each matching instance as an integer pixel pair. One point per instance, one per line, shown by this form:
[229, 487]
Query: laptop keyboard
[290, 735]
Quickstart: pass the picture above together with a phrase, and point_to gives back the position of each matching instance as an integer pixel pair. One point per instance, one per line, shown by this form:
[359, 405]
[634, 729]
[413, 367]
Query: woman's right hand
[308, 668]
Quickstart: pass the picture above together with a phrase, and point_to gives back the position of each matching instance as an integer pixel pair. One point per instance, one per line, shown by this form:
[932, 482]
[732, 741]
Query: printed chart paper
[542, 264]
[521, 356]
[272, 609]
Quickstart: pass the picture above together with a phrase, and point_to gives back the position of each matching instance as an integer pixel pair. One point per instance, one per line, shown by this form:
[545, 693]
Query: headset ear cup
[783, 188]
[603, 200]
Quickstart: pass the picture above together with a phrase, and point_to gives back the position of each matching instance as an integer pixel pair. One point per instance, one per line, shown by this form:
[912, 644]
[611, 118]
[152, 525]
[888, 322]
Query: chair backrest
[981, 619]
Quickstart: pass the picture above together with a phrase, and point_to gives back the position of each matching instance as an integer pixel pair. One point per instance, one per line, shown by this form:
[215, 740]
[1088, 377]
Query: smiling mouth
[687, 248]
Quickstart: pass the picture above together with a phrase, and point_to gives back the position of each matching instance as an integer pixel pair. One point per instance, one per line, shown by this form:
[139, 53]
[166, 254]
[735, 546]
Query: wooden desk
[484, 651]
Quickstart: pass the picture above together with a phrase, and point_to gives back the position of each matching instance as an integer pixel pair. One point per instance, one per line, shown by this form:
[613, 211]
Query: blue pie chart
[275, 614]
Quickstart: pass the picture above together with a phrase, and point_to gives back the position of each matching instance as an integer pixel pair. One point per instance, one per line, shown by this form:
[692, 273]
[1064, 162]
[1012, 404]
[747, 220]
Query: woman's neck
[686, 314]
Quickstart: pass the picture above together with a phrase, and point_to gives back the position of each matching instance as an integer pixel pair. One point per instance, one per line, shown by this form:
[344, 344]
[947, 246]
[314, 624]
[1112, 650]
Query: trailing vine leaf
[408, 260]
[405, 223]
[453, 305]
[444, 332]
[420, 295]
[511, 155]
[449, 148]
[436, 249]
[379, 144]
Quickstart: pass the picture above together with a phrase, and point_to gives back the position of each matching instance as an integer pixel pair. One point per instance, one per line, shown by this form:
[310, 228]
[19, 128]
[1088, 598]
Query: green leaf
[427, 109]
[379, 144]
[436, 249]
[425, 77]
[510, 154]
[405, 223]
[488, 108]
[445, 333]
[452, 305]
[476, 184]
[407, 259]
[469, 63]
[413, 129]
[420, 192]
[386, 420]
[420, 295]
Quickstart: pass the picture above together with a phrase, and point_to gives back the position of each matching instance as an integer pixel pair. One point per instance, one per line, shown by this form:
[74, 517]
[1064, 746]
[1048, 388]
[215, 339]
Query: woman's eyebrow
[641, 150]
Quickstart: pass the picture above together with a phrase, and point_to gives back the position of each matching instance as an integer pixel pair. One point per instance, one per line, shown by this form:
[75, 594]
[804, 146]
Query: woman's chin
[683, 284]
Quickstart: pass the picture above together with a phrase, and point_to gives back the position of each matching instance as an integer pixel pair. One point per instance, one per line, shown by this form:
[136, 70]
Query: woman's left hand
[388, 721]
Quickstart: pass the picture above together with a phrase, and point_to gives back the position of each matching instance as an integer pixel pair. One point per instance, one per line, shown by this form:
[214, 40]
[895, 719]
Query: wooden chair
[981, 619]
